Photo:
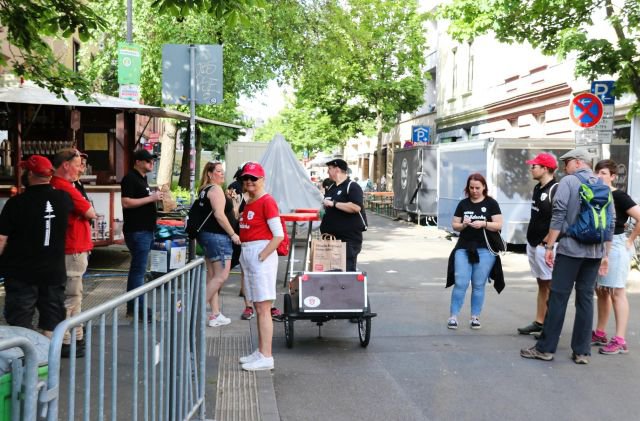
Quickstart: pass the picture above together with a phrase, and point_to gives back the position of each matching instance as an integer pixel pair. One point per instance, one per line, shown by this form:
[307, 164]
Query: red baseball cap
[38, 165]
[544, 159]
[253, 168]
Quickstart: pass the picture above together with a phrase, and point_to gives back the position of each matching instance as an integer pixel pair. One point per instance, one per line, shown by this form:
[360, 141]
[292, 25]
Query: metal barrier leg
[292, 253]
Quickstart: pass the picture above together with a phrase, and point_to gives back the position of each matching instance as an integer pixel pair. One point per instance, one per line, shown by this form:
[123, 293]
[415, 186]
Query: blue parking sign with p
[603, 89]
[420, 134]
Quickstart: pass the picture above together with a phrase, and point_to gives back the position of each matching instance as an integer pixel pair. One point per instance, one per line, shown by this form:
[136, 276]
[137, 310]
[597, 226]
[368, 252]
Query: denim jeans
[568, 271]
[477, 274]
[139, 244]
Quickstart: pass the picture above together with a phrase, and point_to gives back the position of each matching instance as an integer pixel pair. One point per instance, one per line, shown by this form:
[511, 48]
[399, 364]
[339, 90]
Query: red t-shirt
[78, 238]
[253, 220]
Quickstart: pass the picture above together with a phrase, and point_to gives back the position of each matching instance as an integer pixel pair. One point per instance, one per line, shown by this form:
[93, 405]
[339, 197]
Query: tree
[561, 27]
[27, 22]
[363, 63]
[251, 55]
[305, 129]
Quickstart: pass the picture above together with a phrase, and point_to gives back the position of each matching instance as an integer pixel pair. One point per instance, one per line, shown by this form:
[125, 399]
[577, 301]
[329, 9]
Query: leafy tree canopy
[28, 22]
[561, 27]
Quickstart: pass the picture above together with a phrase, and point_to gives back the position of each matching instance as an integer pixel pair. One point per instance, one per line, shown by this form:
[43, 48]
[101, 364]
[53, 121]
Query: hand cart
[323, 296]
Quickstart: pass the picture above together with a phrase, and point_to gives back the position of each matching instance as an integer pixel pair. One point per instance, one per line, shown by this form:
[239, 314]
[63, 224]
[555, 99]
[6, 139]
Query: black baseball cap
[143, 155]
[340, 163]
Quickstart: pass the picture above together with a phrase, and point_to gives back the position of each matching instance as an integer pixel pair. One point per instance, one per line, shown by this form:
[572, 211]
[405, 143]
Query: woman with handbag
[216, 236]
[471, 259]
[610, 288]
[261, 232]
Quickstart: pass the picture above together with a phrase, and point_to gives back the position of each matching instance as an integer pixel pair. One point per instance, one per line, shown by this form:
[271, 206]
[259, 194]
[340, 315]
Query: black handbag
[495, 243]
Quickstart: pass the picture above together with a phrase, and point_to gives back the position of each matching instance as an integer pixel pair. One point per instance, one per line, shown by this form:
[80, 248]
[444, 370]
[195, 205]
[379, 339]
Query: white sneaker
[261, 363]
[251, 357]
[219, 320]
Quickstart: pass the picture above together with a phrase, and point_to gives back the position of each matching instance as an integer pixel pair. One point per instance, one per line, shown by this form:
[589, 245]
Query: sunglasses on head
[249, 178]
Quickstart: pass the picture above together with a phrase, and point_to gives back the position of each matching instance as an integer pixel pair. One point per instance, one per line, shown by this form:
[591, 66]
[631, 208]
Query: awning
[29, 93]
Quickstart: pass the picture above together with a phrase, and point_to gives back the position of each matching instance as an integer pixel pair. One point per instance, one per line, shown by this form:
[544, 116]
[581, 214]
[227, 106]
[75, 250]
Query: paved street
[417, 369]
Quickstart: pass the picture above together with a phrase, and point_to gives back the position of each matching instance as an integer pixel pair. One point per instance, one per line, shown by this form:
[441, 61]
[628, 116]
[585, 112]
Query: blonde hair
[204, 178]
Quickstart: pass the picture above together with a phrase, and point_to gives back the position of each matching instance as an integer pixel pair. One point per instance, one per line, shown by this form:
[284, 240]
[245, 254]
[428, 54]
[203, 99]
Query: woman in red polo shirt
[260, 233]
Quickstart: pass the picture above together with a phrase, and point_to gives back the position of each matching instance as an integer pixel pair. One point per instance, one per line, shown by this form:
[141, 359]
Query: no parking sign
[586, 110]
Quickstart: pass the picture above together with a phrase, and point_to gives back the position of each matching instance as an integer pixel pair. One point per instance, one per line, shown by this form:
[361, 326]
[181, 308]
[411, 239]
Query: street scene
[319, 210]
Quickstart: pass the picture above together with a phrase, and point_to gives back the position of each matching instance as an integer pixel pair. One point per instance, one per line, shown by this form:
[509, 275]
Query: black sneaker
[65, 352]
[531, 329]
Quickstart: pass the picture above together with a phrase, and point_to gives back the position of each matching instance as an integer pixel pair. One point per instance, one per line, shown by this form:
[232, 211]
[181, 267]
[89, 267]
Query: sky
[264, 104]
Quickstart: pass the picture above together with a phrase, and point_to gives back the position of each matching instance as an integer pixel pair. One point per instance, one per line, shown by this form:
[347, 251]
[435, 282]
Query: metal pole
[129, 21]
[192, 135]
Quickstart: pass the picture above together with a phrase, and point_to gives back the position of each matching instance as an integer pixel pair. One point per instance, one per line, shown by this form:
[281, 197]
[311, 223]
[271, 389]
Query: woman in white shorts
[610, 288]
[260, 233]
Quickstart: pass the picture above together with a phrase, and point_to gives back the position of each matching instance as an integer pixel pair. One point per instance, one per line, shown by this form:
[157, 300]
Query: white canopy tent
[286, 179]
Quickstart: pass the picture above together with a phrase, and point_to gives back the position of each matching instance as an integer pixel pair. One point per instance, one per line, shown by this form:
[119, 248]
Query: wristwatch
[548, 246]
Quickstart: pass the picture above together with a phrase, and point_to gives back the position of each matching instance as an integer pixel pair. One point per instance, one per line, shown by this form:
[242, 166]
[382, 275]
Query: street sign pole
[192, 120]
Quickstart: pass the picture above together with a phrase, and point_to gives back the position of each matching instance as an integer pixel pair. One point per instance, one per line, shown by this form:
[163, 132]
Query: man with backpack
[343, 203]
[583, 221]
[542, 168]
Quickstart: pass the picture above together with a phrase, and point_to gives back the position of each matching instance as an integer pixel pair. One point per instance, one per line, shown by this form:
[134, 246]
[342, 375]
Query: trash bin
[7, 356]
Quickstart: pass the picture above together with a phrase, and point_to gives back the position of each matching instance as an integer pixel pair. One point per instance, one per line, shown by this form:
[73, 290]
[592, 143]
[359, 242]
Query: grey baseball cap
[581, 154]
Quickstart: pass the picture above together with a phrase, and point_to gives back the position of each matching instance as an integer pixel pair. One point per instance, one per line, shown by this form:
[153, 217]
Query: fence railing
[150, 368]
[24, 379]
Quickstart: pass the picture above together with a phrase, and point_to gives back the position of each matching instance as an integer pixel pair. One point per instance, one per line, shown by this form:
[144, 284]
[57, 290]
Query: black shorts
[23, 298]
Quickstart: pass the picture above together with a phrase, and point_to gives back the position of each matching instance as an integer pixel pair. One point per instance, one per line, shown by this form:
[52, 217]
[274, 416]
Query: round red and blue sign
[586, 110]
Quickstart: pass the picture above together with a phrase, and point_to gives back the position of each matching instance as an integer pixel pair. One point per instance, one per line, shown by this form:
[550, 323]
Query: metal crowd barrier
[24, 380]
[151, 369]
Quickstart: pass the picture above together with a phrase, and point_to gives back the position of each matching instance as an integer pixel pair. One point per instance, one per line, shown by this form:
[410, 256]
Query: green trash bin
[41, 344]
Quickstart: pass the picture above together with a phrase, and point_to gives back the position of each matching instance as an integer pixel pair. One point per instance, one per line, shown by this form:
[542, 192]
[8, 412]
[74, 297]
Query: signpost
[129, 63]
[594, 112]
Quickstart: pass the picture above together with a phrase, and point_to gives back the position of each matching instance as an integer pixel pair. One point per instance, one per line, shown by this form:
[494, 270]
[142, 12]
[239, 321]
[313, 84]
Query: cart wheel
[288, 322]
[364, 327]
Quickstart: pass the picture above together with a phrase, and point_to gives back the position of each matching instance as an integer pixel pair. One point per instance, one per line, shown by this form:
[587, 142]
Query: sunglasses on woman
[249, 178]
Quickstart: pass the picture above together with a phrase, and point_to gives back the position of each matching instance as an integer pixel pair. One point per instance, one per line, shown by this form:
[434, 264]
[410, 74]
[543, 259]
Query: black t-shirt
[482, 211]
[343, 225]
[541, 207]
[212, 224]
[143, 218]
[35, 223]
[623, 202]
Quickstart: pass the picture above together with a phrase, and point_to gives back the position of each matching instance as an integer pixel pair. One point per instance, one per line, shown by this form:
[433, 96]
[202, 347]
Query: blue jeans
[139, 244]
[477, 274]
[570, 272]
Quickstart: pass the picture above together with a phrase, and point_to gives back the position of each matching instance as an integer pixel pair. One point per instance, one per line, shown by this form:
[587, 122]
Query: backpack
[363, 214]
[198, 215]
[591, 224]
[283, 247]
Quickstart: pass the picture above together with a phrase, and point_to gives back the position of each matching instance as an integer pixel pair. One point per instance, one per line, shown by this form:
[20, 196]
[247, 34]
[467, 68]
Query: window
[454, 72]
[470, 63]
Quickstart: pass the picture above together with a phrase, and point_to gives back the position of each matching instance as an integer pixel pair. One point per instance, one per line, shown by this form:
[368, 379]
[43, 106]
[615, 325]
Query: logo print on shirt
[483, 209]
[250, 215]
[339, 192]
[543, 196]
[48, 215]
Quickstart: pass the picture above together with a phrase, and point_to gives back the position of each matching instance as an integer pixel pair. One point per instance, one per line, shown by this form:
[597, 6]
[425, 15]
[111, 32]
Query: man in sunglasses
[139, 214]
[542, 168]
[78, 244]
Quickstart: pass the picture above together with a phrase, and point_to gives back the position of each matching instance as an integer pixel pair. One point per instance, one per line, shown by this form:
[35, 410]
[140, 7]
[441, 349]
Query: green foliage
[28, 21]
[560, 27]
[361, 62]
[305, 129]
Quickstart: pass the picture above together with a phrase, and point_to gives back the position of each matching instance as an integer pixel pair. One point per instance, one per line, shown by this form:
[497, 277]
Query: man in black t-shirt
[33, 226]
[139, 214]
[343, 202]
[542, 169]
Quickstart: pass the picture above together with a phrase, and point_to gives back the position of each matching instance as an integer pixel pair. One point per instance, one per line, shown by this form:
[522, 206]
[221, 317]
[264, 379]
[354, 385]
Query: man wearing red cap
[32, 239]
[68, 163]
[542, 169]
